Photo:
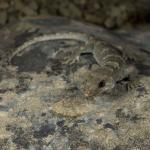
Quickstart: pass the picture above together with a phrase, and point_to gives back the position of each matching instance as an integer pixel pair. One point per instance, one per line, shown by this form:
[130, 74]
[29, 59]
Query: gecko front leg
[109, 57]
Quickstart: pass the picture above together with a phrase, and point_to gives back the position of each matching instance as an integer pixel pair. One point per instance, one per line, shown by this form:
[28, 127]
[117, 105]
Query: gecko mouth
[105, 86]
[126, 79]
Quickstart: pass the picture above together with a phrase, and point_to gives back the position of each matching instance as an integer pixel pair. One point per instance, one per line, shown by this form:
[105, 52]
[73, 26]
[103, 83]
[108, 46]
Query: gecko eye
[102, 84]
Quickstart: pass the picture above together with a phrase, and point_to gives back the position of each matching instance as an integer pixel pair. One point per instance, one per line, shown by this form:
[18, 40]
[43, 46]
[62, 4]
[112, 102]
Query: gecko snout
[105, 85]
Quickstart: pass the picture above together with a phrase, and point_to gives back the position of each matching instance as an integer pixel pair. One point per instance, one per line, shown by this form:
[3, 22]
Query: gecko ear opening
[101, 84]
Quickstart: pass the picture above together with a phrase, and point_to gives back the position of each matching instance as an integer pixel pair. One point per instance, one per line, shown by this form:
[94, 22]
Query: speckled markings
[111, 61]
[49, 103]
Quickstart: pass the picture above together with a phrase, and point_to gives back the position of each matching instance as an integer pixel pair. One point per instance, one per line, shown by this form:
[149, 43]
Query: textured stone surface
[40, 110]
[111, 14]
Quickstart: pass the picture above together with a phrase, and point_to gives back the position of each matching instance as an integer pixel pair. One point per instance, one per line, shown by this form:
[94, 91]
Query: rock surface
[39, 111]
[111, 14]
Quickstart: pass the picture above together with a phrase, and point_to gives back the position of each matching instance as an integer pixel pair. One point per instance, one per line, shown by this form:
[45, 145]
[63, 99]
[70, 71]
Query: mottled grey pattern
[50, 103]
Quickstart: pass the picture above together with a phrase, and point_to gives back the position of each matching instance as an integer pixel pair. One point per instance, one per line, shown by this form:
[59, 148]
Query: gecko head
[92, 82]
[105, 85]
[97, 86]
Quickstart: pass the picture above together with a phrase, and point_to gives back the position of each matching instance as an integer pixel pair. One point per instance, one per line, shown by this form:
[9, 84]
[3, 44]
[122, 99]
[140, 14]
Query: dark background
[108, 13]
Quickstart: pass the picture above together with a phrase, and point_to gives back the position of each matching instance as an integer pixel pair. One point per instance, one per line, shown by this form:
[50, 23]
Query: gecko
[111, 62]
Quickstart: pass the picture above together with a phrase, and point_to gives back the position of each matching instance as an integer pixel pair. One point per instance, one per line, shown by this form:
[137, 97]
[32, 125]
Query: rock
[72, 107]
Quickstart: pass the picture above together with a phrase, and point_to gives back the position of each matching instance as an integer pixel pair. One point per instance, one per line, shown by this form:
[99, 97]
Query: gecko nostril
[101, 84]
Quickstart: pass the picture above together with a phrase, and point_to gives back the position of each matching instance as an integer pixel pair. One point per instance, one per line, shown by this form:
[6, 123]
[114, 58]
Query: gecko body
[111, 64]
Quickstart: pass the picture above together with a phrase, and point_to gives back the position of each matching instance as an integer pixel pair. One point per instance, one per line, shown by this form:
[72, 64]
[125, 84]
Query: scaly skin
[111, 62]
[56, 36]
